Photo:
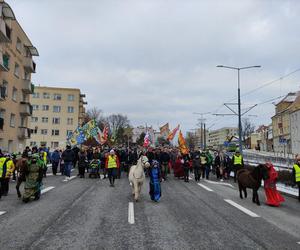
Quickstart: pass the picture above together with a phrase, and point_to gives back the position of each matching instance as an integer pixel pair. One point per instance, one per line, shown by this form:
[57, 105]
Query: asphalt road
[88, 214]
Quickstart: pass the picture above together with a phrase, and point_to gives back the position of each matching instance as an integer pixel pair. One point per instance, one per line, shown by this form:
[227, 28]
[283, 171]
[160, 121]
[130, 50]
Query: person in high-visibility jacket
[112, 164]
[7, 168]
[237, 163]
[44, 158]
[296, 174]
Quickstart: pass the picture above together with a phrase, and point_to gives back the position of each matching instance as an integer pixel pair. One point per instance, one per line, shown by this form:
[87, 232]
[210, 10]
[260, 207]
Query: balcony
[5, 32]
[25, 109]
[28, 87]
[29, 65]
[82, 95]
[24, 133]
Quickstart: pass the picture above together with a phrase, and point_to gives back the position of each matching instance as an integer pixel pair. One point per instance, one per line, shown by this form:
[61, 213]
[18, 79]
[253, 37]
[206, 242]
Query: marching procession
[31, 167]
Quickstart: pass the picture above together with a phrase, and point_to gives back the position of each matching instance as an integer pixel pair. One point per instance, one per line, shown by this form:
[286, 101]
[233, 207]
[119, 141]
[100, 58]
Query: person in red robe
[273, 197]
[178, 167]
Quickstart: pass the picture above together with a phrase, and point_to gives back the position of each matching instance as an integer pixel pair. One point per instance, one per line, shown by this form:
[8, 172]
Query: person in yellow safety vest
[111, 164]
[7, 168]
[296, 173]
[237, 163]
[43, 155]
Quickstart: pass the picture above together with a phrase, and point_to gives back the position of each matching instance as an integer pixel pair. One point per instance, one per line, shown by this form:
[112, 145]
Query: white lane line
[131, 213]
[205, 187]
[298, 242]
[71, 178]
[45, 190]
[243, 209]
[219, 183]
[2, 212]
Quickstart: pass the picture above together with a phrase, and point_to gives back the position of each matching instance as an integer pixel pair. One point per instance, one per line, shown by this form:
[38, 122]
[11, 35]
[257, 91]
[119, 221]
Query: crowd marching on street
[31, 166]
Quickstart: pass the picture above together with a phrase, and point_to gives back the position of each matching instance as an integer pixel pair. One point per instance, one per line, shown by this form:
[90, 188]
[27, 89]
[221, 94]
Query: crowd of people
[31, 166]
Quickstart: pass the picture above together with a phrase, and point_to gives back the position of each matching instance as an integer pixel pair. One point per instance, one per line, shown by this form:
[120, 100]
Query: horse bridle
[144, 162]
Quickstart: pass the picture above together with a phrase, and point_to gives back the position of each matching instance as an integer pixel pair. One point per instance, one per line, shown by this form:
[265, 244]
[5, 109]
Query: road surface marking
[45, 190]
[190, 178]
[131, 213]
[2, 212]
[219, 183]
[71, 178]
[205, 187]
[243, 209]
[298, 242]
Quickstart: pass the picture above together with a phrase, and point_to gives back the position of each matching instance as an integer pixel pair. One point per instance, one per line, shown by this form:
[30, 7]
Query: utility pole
[203, 128]
[239, 101]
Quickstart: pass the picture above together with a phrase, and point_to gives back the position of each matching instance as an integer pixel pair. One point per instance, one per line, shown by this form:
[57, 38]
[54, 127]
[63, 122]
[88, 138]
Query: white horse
[137, 176]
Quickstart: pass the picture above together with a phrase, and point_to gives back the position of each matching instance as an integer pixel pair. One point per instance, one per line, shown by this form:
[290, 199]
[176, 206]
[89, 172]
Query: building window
[55, 132]
[6, 61]
[19, 45]
[17, 70]
[34, 119]
[56, 109]
[45, 107]
[54, 144]
[43, 144]
[32, 143]
[70, 109]
[14, 94]
[71, 98]
[46, 95]
[35, 107]
[44, 119]
[36, 95]
[56, 120]
[57, 97]
[12, 121]
[44, 131]
[23, 122]
[2, 114]
[70, 121]
[69, 132]
[5, 85]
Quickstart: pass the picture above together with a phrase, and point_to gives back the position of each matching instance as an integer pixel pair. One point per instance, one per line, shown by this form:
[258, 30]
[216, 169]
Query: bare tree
[117, 121]
[247, 128]
[191, 140]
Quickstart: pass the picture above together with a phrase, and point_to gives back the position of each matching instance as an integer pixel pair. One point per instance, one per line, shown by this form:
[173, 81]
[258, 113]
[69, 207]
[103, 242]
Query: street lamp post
[239, 99]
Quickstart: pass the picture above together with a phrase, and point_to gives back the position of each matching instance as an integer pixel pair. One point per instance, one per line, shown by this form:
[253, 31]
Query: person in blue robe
[155, 179]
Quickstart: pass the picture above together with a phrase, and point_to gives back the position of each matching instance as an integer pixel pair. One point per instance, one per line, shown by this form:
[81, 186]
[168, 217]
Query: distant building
[266, 138]
[218, 138]
[281, 123]
[57, 112]
[16, 67]
[295, 125]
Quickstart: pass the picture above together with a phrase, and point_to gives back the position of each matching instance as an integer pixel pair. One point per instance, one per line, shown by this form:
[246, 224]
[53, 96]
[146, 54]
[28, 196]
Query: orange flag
[173, 133]
[182, 144]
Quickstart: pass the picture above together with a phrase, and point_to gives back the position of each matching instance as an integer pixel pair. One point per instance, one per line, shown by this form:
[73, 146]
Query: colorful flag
[101, 137]
[147, 141]
[182, 144]
[164, 130]
[173, 133]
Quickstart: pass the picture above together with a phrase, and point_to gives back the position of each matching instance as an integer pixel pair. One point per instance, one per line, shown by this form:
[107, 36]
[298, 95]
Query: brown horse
[20, 167]
[252, 179]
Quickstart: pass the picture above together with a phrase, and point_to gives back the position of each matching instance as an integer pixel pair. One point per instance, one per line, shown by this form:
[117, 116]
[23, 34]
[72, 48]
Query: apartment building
[16, 67]
[295, 125]
[281, 124]
[57, 112]
[217, 138]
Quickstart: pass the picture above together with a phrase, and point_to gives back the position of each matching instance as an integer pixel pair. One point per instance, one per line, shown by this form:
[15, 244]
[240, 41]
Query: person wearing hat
[34, 176]
[296, 174]
[7, 168]
[237, 163]
[112, 164]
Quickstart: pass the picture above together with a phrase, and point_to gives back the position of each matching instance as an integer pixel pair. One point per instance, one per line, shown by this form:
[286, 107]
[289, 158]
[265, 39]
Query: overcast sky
[155, 60]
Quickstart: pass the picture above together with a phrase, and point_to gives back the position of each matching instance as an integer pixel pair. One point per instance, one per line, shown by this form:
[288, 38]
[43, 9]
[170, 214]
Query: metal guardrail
[279, 162]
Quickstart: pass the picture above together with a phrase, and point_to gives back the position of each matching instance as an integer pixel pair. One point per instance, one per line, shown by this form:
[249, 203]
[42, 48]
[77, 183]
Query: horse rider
[237, 162]
[296, 173]
[7, 168]
[34, 169]
[112, 164]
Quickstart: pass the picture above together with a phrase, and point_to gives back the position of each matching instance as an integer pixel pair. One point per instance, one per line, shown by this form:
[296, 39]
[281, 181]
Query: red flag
[173, 133]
